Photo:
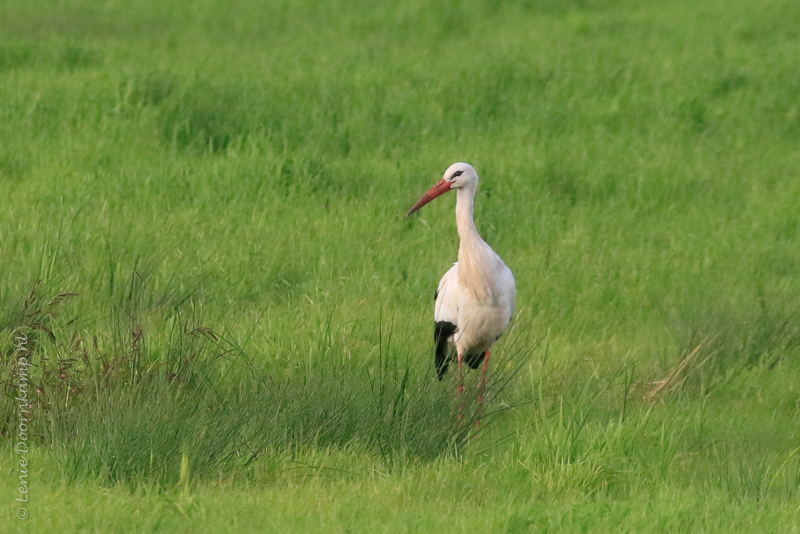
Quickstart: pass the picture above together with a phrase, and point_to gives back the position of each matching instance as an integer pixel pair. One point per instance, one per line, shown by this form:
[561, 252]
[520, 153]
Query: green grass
[232, 328]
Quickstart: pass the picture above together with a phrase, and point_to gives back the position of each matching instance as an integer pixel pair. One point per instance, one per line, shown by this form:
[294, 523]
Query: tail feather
[474, 359]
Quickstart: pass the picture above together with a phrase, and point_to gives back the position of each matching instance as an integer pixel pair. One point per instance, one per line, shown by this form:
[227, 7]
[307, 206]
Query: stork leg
[482, 388]
[460, 387]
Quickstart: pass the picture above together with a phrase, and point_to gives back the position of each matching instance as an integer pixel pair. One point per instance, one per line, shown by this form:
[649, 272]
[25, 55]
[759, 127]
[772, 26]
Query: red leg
[460, 387]
[482, 388]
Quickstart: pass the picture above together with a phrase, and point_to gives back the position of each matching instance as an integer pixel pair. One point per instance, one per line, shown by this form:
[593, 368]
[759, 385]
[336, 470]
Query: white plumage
[446, 302]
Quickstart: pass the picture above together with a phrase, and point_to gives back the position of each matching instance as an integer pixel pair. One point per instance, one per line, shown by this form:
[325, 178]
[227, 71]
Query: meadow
[204, 249]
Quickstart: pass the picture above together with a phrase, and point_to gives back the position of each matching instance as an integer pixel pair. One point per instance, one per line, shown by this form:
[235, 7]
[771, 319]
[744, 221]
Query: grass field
[203, 247]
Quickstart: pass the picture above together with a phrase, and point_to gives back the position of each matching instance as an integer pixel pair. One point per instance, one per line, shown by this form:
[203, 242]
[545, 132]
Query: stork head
[457, 176]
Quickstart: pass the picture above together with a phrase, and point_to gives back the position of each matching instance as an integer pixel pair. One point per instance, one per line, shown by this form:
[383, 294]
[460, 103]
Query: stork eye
[456, 174]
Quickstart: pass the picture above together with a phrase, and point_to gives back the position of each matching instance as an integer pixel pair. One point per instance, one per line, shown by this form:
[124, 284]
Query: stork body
[475, 299]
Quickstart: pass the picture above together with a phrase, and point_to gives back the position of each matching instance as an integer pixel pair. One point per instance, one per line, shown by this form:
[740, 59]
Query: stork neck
[465, 201]
[472, 250]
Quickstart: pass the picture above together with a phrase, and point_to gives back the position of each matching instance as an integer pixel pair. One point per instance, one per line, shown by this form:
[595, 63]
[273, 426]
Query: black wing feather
[442, 330]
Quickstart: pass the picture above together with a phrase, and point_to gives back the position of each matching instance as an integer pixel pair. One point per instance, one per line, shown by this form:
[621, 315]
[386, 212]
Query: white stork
[475, 298]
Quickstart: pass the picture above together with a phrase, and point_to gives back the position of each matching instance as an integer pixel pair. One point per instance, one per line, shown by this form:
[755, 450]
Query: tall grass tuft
[157, 386]
[718, 347]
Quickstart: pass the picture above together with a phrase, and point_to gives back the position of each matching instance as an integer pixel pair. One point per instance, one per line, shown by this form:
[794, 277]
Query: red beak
[440, 188]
